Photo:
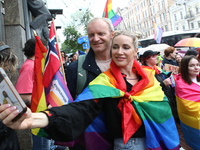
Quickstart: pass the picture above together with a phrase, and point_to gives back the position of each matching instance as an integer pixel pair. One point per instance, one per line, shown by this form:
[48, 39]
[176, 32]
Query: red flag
[38, 100]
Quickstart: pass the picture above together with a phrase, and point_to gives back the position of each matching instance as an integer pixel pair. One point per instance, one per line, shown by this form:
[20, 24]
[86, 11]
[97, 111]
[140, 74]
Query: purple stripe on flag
[116, 20]
[61, 81]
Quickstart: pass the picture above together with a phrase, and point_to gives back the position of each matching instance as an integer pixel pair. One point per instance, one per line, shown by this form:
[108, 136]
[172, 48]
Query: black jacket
[89, 65]
[8, 138]
[167, 61]
[169, 92]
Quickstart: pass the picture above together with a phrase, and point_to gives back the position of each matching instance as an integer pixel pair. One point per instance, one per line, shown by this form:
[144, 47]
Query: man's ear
[137, 49]
[112, 33]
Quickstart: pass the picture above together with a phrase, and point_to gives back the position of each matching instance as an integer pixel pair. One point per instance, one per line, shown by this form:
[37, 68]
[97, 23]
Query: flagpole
[59, 52]
[35, 34]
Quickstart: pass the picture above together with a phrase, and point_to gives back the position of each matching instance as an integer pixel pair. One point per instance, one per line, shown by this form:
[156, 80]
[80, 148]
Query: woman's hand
[167, 82]
[28, 120]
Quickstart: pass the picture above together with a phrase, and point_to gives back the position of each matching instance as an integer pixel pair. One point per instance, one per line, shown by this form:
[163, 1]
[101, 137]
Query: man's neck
[103, 55]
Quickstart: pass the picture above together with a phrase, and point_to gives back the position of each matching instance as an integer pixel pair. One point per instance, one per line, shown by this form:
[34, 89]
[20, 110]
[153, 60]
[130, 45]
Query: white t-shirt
[103, 65]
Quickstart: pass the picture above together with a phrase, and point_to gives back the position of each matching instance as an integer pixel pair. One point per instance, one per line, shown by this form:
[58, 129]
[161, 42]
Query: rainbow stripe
[38, 100]
[109, 13]
[188, 105]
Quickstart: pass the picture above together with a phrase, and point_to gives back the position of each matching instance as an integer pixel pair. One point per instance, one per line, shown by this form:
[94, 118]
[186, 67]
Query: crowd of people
[135, 100]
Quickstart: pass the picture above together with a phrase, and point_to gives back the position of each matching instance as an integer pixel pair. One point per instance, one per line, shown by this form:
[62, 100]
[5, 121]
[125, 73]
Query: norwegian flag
[52, 62]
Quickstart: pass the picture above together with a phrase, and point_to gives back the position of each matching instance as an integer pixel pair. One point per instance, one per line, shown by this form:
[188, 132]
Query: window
[197, 9]
[181, 14]
[177, 28]
[166, 28]
[164, 16]
[198, 23]
[161, 18]
[175, 18]
[163, 4]
[192, 25]
[183, 28]
[159, 6]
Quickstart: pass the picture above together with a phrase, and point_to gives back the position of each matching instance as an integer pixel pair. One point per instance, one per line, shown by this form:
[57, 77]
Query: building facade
[185, 15]
[170, 15]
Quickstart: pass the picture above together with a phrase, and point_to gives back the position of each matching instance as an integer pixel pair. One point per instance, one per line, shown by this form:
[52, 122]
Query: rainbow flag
[109, 13]
[157, 33]
[188, 105]
[38, 100]
[148, 100]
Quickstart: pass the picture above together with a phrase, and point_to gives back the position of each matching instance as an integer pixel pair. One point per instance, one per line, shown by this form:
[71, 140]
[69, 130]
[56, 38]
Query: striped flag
[52, 62]
[109, 13]
[188, 104]
[38, 100]
[157, 33]
[56, 90]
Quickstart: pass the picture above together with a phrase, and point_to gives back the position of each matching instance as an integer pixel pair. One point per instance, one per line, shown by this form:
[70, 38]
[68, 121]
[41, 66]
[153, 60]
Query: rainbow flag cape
[188, 105]
[38, 100]
[157, 33]
[148, 100]
[109, 13]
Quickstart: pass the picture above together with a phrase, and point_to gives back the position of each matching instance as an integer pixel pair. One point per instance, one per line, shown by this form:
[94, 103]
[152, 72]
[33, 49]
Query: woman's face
[123, 51]
[153, 60]
[178, 58]
[193, 68]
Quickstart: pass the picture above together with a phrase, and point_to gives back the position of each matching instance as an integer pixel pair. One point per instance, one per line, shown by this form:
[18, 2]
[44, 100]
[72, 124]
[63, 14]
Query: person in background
[193, 52]
[24, 87]
[178, 59]
[187, 91]
[74, 57]
[8, 61]
[169, 57]
[67, 62]
[149, 62]
[129, 110]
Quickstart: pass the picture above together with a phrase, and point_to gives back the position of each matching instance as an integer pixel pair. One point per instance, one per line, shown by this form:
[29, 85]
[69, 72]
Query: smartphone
[9, 95]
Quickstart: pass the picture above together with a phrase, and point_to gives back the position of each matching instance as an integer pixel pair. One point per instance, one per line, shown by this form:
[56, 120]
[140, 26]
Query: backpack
[81, 75]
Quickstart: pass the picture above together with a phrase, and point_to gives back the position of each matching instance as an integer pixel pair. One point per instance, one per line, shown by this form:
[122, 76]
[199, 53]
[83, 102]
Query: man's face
[99, 35]
[173, 55]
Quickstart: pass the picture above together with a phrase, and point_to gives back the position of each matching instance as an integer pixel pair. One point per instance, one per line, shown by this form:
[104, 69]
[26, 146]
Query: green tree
[81, 18]
[71, 35]
[76, 28]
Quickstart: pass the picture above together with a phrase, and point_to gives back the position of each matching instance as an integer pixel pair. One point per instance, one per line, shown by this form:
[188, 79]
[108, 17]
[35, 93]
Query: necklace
[131, 78]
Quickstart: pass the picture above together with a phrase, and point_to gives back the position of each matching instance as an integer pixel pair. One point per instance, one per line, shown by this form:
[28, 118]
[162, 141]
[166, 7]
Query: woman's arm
[63, 123]
[28, 120]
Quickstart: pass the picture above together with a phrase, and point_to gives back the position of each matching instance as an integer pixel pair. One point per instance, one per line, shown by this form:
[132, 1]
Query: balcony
[190, 15]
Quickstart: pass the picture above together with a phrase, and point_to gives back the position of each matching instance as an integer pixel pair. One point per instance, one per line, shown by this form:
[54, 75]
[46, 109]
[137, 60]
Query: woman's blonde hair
[129, 34]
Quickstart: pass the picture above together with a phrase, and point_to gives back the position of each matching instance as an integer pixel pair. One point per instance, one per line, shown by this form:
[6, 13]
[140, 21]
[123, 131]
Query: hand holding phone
[9, 95]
